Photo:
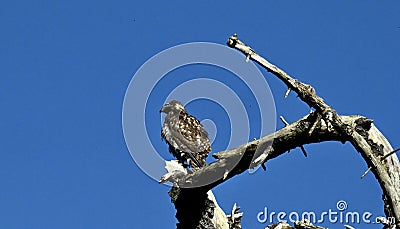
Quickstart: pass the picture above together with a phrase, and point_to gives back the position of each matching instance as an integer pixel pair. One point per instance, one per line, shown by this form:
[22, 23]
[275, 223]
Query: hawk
[186, 137]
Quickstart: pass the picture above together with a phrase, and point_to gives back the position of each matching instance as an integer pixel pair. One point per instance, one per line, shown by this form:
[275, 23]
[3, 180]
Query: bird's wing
[194, 133]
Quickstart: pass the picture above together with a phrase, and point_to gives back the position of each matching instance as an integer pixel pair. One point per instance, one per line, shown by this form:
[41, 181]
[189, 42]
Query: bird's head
[173, 106]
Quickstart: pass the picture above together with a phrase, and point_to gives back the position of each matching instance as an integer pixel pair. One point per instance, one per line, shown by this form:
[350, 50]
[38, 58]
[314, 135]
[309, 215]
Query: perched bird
[186, 137]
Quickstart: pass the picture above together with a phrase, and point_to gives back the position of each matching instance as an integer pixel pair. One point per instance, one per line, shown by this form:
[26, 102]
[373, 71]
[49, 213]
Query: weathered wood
[297, 225]
[245, 156]
[324, 124]
[367, 140]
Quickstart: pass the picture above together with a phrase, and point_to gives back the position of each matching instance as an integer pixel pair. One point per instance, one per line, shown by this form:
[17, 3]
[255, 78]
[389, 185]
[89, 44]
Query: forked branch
[324, 124]
[372, 145]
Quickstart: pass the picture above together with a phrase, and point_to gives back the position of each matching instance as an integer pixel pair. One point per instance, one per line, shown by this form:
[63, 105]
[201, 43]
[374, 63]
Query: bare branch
[366, 139]
[324, 124]
[301, 147]
[366, 172]
[387, 155]
[283, 120]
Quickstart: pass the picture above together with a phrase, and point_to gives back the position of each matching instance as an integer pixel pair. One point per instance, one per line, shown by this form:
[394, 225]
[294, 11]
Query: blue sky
[65, 67]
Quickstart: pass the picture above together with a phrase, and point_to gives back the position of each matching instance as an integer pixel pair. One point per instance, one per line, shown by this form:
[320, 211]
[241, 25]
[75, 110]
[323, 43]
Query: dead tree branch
[324, 124]
[369, 142]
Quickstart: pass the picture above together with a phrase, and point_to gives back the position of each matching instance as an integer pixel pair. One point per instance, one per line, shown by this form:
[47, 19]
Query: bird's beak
[160, 110]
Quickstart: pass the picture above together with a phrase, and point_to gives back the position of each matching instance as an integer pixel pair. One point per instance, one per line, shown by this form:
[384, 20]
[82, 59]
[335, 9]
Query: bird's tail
[195, 160]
